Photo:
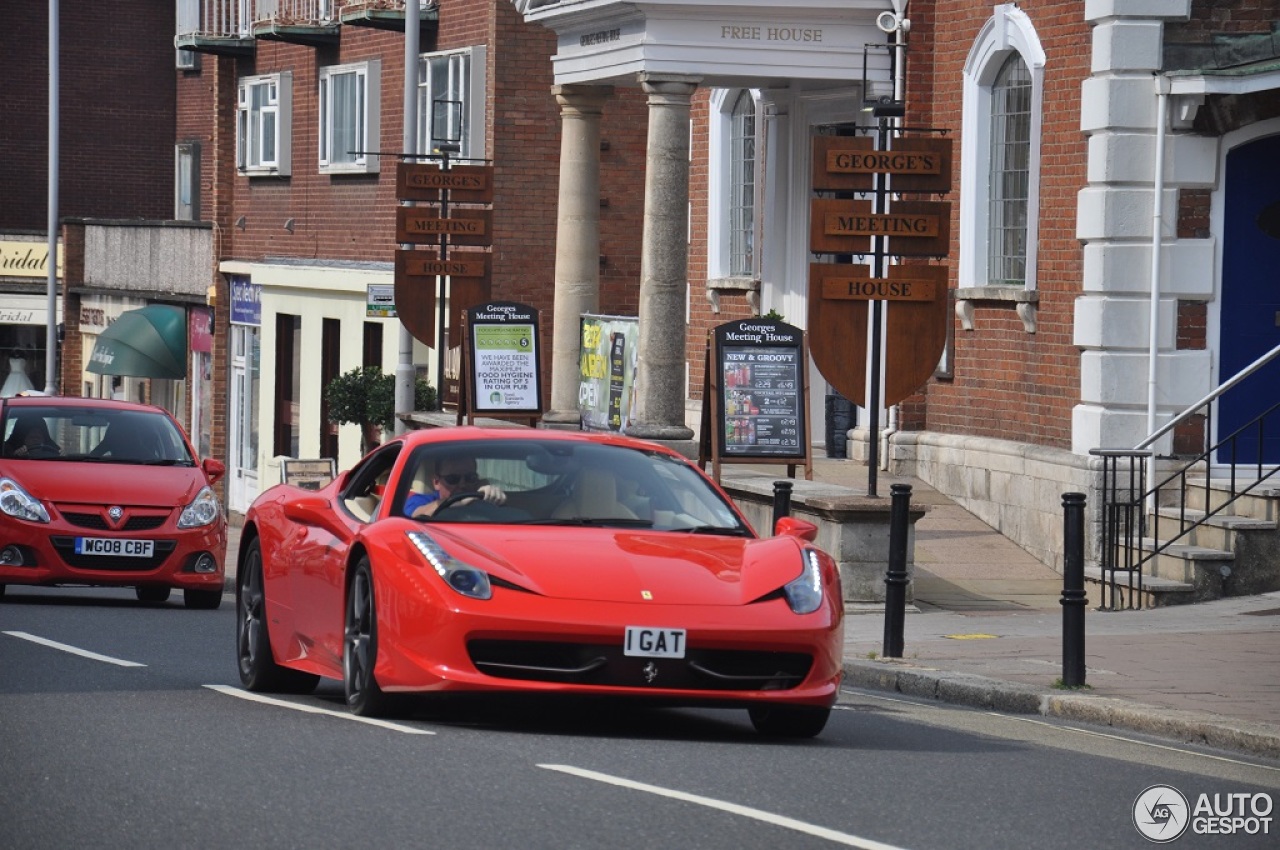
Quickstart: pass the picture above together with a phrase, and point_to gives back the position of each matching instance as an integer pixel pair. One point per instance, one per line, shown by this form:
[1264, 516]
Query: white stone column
[577, 274]
[664, 262]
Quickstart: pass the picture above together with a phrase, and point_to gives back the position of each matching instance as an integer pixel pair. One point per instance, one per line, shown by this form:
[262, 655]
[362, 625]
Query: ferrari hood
[613, 565]
[107, 484]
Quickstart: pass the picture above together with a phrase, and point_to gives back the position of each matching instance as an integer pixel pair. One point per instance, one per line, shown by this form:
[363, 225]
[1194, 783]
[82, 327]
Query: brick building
[1056, 340]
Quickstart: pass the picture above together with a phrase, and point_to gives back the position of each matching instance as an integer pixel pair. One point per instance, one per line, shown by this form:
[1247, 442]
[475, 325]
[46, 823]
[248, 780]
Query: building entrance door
[1249, 321]
[242, 482]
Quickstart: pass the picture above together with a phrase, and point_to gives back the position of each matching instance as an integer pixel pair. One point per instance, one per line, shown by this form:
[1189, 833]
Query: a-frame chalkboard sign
[755, 398]
[502, 363]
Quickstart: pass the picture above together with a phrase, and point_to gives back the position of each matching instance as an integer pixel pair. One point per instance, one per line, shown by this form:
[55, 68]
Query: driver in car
[453, 475]
[30, 438]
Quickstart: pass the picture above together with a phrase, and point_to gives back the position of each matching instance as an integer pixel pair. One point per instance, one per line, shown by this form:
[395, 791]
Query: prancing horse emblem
[650, 672]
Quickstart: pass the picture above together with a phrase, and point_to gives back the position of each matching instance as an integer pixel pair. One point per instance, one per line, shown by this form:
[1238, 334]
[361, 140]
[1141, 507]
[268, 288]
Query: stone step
[1155, 592]
[1217, 532]
[1263, 502]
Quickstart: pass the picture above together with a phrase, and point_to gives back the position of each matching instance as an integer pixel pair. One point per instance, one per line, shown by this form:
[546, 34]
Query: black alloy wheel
[360, 646]
[788, 721]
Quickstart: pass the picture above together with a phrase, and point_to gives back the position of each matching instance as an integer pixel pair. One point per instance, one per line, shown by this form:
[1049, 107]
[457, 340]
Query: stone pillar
[664, 263]
[577, 274]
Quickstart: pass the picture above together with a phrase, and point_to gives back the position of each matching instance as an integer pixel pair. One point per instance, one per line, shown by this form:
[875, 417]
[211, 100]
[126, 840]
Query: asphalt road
[124, 725]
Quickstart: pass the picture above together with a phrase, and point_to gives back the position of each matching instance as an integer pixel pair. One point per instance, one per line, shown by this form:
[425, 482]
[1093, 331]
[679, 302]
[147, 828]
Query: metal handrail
[1231, 382]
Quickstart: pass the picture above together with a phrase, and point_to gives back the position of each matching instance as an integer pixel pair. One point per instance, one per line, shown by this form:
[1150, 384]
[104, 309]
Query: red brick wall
[1212, 17]
[116, 112]
[1009, 384]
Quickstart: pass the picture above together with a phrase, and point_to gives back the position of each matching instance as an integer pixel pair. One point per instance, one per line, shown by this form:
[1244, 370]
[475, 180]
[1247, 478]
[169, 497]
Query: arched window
[1000, 153]
[742, 186]
[1010, 161]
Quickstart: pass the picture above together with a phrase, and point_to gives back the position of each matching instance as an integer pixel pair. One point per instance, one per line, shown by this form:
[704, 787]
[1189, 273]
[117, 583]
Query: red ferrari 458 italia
[100, 492]
[517, 560]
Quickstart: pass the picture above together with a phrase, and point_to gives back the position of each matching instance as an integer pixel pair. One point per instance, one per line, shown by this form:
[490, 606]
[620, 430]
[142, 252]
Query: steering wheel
[43, 450]
[455, 499]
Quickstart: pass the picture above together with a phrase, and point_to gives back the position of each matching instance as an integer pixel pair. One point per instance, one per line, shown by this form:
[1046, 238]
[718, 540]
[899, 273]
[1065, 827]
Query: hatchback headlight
[804, 594]
[462, 577]
[203, 511]
[19, 504]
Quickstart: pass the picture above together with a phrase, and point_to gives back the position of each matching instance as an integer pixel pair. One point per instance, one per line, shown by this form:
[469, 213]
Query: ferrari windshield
[60, 433]
[555, 482]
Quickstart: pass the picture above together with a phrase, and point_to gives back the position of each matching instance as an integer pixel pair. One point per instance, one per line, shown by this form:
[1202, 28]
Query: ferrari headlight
[804, 594]
[463, 578]
[203, 511]
[18, 503]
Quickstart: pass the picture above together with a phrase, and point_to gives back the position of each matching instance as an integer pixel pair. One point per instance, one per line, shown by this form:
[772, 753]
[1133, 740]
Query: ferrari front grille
[602, 664]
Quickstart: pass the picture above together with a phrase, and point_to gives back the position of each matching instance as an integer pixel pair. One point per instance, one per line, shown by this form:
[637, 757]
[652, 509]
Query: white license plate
[115, 546]
[650, 642]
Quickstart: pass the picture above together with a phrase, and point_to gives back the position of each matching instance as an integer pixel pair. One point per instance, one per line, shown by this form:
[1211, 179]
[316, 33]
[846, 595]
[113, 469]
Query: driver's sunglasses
[453, 479]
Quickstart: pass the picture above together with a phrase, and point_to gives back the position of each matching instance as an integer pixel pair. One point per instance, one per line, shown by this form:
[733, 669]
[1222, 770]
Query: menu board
[761, 389]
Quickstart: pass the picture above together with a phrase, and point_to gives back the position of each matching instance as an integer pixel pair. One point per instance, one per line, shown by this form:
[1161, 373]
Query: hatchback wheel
[258, 668]
[152, 593]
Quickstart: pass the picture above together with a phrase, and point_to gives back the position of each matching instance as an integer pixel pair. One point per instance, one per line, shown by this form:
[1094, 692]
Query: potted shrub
[366, 397]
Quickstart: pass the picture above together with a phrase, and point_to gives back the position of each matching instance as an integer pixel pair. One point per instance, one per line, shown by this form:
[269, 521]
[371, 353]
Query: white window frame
[252, 117]
[721, 180]
[1009, 30]
[368, 77]
[186, 181]
[453, 75]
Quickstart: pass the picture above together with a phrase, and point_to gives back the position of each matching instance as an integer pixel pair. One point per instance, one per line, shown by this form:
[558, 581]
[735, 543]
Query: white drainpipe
[1157, 224]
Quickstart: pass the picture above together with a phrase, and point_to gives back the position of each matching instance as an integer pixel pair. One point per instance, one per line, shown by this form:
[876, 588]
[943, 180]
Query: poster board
[308, 474]
[608, 359]
[756, 396]
[503, 362]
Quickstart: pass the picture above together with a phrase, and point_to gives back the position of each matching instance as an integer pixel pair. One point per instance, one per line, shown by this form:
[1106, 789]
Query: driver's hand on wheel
[492, 493]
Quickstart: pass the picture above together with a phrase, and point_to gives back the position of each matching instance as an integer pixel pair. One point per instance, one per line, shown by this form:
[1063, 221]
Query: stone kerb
[853, 528]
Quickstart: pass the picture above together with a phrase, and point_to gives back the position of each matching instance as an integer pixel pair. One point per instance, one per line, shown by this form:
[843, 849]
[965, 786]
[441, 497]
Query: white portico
[807, 61]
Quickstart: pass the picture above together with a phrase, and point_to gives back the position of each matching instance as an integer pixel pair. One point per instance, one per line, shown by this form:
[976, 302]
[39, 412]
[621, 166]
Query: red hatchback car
[109, 493]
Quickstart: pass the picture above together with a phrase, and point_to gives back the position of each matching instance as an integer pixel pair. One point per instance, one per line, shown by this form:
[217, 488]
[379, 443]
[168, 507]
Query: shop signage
[419, 181]
[246, 301]
[608, 359]
[505, 362]
[755, 395]
[26, 259]
[380, 301]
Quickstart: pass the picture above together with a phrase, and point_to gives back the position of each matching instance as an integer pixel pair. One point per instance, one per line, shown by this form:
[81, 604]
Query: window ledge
[748, 285]
[1025, 301]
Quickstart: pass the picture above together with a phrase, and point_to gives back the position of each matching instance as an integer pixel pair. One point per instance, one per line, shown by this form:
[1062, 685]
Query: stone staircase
[1233, 553]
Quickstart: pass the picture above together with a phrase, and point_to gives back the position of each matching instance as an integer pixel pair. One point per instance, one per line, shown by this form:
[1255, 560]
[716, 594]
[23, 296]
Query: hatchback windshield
[60, 434]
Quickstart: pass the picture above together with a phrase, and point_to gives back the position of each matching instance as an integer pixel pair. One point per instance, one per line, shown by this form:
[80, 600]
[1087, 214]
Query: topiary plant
[367, 397]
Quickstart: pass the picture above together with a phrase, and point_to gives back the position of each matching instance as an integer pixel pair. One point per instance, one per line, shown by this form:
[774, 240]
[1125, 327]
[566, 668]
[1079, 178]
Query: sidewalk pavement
[985, 630]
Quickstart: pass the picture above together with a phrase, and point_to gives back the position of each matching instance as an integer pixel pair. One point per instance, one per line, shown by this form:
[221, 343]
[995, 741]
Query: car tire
[202, 600]
[788, 721]
[1, 591]
[360, 646]
[152, 593]
[258, 668]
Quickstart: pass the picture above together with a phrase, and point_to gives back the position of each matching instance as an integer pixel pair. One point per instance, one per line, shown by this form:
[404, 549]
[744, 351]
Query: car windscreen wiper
[597, 522]
[730, 531]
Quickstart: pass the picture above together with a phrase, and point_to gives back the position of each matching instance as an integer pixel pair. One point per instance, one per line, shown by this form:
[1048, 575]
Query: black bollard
[1073, 593]
[781, 501]
[895, 579]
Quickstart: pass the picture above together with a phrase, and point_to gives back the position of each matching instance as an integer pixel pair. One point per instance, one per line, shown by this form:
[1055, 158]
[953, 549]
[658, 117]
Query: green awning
[150, 342]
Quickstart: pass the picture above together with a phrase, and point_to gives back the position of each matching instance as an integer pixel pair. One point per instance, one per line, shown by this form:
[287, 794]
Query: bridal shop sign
[26, 259]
